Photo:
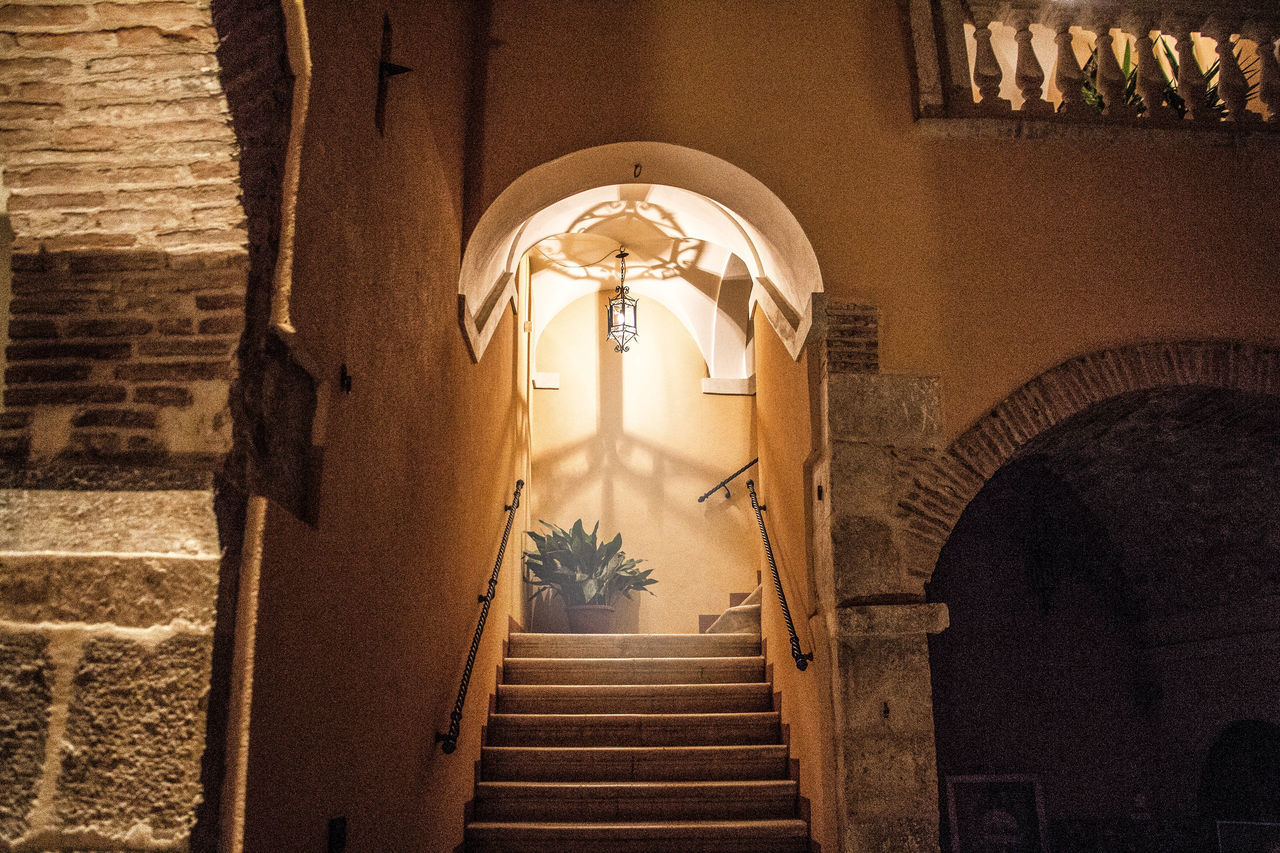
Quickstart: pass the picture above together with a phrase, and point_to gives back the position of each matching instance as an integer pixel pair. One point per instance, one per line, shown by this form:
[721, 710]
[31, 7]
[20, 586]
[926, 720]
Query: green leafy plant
[1094, 98]
[574, 565]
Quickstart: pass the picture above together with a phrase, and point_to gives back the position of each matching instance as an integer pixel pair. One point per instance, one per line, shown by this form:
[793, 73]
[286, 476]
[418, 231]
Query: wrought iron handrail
[449, 741]
[801, 659]
[724, 484]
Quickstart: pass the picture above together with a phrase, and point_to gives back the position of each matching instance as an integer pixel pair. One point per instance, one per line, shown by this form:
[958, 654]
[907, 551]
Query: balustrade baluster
[1269, 74]
[1069, 75]
[1110, 80]
[1233, 87]
[1192, 85]
[1029, 74]
[1160, 79]
[987, 74]
[1151, 82]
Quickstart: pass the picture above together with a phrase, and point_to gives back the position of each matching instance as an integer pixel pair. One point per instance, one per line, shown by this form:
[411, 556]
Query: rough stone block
[108, 328]
[189, 347]
[134, 736]
[15, 448]
[172, 396]
[32, 329]
[219, 301]
[226, 324]
[887, 691]
[129, 591]
[892, 836]
[27, 374]
[126, 418]
[178, 371]
[862, 479]
[50, 304]
[96, 352]
[891, 777]
[892, 620]
[64, 395]
[866, 559]
[26, 676]
[169, 521]
[36, 68]
[887, 410]
[14, 420]
[165, 15]
[175, 326]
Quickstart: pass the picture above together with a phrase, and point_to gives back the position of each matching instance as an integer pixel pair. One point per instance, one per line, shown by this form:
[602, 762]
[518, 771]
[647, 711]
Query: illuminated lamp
[621, 312]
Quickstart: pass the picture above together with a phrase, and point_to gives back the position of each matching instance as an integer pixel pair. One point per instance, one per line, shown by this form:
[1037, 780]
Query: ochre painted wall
[783, 406]
[365, 621]
[990, 260]
[630, 439]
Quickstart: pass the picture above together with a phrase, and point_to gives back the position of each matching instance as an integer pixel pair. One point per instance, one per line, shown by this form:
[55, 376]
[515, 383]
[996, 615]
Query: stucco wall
[630, 439]
[783, 416]
[364, 620]
[990, 260]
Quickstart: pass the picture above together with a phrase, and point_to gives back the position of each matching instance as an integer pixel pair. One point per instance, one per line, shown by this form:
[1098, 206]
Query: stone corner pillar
[883, 432]
[890, 773]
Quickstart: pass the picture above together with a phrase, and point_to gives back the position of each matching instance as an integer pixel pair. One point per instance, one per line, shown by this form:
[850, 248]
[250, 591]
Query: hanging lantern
[621, 312]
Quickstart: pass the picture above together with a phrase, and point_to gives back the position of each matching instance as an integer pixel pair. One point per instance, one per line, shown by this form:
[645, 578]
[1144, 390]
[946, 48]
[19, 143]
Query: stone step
[633, 729]
[635, 801]
[634, 698]
[632, 764]
[740, 618]
[723, 836]
[631, 646]
[700, 670]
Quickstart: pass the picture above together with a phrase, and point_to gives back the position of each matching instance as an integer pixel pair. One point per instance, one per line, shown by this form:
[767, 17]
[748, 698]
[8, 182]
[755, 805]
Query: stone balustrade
[1171, 63]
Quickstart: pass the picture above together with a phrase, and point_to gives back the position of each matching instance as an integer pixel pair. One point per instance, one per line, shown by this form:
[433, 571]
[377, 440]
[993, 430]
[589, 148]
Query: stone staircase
[635, 742]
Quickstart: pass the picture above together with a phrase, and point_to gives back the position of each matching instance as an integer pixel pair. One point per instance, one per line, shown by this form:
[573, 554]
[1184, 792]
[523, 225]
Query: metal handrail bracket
[449, 740]
[801, 659]
[724, 484]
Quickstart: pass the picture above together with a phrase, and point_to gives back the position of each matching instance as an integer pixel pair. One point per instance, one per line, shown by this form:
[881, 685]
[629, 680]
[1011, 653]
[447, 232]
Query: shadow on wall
[630, 439]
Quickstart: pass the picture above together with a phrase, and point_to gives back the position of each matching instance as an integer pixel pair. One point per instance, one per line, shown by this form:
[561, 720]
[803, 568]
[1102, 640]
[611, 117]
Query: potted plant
[588, 576]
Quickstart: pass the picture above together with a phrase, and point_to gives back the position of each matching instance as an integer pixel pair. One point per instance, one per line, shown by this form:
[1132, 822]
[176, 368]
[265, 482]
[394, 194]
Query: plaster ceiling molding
[704, 285]
[688, 201]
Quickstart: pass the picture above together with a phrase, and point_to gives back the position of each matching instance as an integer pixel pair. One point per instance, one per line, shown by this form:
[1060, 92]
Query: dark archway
[1113, 593]
[1241, 777]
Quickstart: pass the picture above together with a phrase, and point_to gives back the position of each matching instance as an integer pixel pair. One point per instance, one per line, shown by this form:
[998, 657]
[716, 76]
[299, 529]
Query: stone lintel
[885, 409]
[891, 620]
[126, 590]
[69, 521]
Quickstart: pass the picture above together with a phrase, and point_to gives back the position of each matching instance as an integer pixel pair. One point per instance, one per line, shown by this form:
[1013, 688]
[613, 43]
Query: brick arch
[945, 486]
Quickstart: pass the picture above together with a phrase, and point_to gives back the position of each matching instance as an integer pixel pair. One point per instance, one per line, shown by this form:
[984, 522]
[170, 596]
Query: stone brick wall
[128, 253]
[853, 338]
[119, 357]
[126, 305]
[106, 605]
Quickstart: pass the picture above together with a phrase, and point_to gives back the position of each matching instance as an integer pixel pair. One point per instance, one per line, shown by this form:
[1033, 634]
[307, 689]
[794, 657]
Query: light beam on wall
[622, 309]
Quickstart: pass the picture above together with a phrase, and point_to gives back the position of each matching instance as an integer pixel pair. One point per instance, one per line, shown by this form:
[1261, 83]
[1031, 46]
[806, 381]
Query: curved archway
[703, 198]
[947, 484]
[1111, 591]
[1241, 776]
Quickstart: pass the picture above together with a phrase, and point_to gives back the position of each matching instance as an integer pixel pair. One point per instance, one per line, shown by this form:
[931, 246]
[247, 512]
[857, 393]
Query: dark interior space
[1114, 627]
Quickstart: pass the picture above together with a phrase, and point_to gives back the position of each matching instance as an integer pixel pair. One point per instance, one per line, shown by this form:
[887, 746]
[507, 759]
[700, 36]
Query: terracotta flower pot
[590, 618]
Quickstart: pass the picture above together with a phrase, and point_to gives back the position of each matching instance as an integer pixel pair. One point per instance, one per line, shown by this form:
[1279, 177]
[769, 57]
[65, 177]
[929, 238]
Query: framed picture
[996, 814]
[1243, 837]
